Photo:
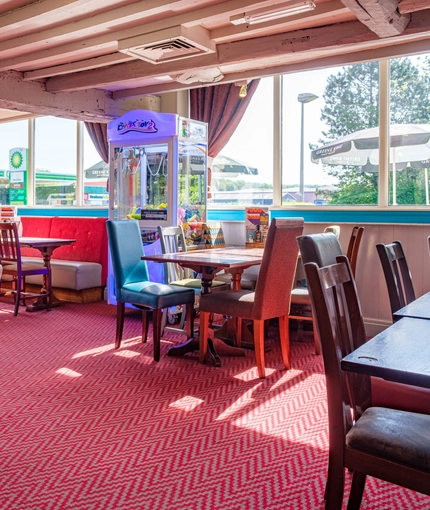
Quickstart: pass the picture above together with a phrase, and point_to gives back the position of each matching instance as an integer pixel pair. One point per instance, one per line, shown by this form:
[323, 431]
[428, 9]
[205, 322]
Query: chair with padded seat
[397, 275]
[271, 297]
[323, 250]
[388, 444]
[323, 254]
[172, 240]
[132, 284]
[15, 270]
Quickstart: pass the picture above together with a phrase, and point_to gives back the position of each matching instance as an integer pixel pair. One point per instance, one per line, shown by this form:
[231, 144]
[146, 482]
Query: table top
[227, 258]
[35, 242]
[401, 353]
[419, 308]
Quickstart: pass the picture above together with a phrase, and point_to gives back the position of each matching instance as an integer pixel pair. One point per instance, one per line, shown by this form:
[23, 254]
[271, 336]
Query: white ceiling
[84, 58]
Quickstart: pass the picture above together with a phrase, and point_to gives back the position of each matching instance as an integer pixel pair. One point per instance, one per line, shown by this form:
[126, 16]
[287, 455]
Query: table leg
[42, 302]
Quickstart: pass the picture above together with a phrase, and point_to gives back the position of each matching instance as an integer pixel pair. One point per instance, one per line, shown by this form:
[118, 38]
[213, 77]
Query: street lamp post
[303, 98]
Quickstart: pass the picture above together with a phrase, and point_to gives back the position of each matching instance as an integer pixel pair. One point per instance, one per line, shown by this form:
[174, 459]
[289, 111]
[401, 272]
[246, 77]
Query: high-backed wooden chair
[132, 284]
[15, 270]
[397, 275]
[323, 254]
[172, 240]
[384, 443]
[353, 246]
[271, 297]
[334, 229]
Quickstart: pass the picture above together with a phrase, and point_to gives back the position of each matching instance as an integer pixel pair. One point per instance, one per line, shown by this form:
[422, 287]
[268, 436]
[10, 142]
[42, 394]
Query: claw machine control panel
[158, 176]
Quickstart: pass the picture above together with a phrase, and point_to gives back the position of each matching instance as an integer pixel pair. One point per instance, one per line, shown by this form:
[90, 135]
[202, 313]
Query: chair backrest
[126, 250]
[10, 249]
[353, 247]
[276, 277]
[334, 229]
[172, 240]
[397, 275]
[340, 326]
[213, 235]
[319, 248]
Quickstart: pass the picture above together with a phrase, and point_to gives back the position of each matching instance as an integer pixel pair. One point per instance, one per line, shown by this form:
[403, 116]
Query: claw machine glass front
[143, 183]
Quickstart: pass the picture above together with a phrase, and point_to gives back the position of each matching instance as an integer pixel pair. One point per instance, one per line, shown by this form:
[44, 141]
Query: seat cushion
[155, 295]
[71, 274]
[238, 303]
[395, 435]
[300, 296]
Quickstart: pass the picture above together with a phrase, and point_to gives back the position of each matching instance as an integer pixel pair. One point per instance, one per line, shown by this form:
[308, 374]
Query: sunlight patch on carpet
[69, 372]
[187, 403]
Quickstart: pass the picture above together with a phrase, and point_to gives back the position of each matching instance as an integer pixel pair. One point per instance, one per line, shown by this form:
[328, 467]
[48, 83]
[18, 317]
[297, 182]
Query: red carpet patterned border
[88, 427]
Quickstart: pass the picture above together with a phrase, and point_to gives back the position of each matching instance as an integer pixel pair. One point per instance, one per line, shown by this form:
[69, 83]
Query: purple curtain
[98, 135]
[222, 108]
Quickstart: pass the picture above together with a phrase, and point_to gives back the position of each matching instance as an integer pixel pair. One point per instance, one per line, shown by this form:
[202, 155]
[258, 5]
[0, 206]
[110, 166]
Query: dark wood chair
[397, 275]
[322, 253]
[271, 297]
[132, 284]
[15, 270]
[353, 247]
[384, 443]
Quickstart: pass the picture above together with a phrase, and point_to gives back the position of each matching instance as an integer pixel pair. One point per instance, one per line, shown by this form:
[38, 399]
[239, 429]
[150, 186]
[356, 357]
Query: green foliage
[352, 103]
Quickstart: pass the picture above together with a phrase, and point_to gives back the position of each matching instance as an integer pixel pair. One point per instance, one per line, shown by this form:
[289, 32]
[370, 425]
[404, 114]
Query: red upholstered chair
[16, 270]
[271, 297]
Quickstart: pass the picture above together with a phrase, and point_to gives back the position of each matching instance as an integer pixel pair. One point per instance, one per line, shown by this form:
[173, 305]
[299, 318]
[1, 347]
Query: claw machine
[157, 176]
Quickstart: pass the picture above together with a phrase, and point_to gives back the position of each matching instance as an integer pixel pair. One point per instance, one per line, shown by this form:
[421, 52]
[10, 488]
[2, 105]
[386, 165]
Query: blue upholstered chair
[132, 283]
[272, 294]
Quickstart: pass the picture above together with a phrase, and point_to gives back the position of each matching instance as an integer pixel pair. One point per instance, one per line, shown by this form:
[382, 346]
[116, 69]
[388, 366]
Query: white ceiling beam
[407, 6]
[285, 46]
[87, 105]
[316, 62]
[382, 17]
[31, 11]
[82, 65]
[132, 12]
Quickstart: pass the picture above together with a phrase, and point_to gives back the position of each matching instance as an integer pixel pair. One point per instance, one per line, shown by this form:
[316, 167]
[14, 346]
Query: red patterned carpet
[87, 427]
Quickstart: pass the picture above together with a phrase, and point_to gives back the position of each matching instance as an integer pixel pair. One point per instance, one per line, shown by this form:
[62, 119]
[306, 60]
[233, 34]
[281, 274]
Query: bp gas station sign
[18, 176]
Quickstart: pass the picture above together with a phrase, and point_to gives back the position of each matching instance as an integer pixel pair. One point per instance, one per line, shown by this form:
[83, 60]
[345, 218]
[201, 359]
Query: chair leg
[335, 485]
[156, 332]
[144, 325]
[120, 310]
[357, 489]
[204, 327]
[238, 331]
[259, 347]
[189, 320]
[284, 335]
[316, 338]
[17, 296]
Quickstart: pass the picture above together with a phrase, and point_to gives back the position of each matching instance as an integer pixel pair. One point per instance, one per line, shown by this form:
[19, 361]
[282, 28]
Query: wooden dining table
[401, 353]
[207, 263]
[419, 308]
[46, 246]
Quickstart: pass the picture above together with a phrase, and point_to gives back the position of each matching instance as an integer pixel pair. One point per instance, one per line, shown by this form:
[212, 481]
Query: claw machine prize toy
[157, 175]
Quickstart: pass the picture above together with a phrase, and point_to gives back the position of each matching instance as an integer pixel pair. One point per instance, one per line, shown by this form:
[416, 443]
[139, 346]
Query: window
[324, 115]
[96, 173]
[242, 174]
[13, 162]
[55, 161]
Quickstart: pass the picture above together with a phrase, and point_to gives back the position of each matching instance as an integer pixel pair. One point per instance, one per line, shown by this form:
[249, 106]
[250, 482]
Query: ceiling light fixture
[243, 87]
[262, 15]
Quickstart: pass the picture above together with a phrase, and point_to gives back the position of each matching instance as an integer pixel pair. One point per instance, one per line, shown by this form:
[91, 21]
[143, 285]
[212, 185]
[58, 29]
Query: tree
[352, 103]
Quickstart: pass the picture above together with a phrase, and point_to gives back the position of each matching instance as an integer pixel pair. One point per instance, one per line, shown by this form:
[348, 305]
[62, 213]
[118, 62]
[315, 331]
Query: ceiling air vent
[167, 45]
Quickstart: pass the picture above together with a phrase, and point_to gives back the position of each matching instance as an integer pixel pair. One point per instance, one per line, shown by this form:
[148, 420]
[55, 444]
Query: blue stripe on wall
[318, 215]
